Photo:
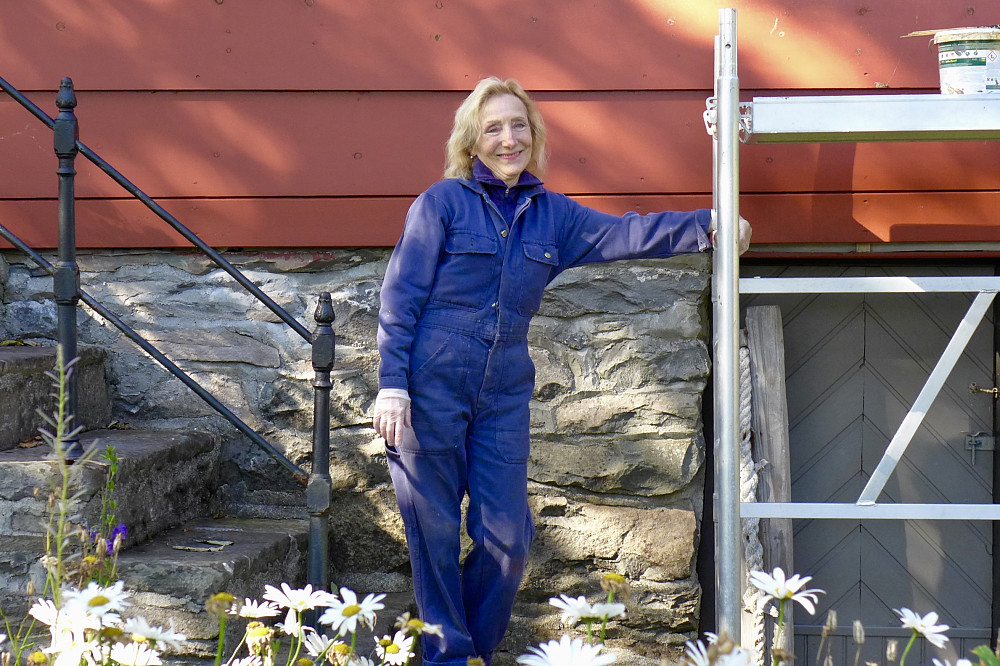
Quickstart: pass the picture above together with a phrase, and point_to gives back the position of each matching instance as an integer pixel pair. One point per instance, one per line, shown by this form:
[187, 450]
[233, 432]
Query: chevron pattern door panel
[854, 365]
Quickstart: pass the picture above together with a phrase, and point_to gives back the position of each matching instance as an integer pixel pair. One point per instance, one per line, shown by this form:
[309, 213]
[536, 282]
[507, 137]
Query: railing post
[66, 277]
[319, 491]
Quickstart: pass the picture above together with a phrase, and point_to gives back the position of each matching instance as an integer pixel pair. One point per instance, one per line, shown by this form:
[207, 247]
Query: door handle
[975, 388]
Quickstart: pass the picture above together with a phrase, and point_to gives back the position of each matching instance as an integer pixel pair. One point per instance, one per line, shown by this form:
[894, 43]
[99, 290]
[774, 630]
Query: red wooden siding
[309, 122]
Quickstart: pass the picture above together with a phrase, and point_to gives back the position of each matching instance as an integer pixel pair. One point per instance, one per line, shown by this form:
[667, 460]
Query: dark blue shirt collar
[482, 173]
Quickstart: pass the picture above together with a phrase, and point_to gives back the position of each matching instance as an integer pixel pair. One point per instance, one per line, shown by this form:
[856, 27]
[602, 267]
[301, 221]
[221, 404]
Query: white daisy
[345, 613]
[96, 599]
[934, 633]
[252, 660]
[157, 637]
[945, 662]
[573, 610]
[299, 600]
[70, 648]
[292, 625]
[361, 661]
[417, 627]
[318, 644]
[566, 652]
[606, 611]
[71, 620]
[135, 654]
[736, 657]
[696, 654]
[777, 587]
[45, 611]
[395, 650]
[255, 610]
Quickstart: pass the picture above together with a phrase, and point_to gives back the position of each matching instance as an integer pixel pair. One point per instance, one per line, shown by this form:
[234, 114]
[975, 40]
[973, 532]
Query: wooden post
[770, 442]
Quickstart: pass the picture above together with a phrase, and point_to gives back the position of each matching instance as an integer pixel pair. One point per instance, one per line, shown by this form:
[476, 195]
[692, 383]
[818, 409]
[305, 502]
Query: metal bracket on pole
[710, 116]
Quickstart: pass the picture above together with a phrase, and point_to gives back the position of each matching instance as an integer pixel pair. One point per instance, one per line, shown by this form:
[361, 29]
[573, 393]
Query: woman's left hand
[391, 417]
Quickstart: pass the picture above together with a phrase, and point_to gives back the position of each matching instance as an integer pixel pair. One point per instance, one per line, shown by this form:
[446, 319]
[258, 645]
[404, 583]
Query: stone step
[164, 479]
[25, 388]
[172, 583]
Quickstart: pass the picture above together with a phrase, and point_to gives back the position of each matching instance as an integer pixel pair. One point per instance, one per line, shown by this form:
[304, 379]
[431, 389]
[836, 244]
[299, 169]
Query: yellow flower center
[351, 610]
[614, 577]
[219, 603]
[257, 630]
[384, 642]
[392, 648]
[342, 648]
[415, 624]
[98, 600]
[90, 559]
[113, 634]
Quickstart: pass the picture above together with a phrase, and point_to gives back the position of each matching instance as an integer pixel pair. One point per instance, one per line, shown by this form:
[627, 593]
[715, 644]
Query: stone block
[639, 543]
[163, 480]
[648, 467]
[171, 584]
[25, 389]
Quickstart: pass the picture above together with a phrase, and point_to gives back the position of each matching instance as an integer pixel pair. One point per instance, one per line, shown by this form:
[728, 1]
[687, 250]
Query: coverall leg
[469, 403]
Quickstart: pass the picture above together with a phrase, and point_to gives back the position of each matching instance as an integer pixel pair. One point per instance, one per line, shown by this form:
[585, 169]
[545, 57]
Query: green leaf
[986, 655]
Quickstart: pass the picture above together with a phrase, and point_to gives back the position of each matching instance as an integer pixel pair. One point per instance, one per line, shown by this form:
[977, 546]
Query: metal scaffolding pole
[725, 279]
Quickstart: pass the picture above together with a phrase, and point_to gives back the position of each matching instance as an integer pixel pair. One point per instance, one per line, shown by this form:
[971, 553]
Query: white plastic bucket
[969, 60]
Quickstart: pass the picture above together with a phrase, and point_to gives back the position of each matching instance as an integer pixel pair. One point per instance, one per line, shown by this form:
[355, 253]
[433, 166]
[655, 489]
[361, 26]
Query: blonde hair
[467, 128]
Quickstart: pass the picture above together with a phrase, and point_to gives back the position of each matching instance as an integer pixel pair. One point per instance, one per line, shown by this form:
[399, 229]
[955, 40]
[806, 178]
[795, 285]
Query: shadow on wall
[345, 97]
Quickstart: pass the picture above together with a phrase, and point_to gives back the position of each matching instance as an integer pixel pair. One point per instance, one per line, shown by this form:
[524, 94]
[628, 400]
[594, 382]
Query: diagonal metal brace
[913, 419]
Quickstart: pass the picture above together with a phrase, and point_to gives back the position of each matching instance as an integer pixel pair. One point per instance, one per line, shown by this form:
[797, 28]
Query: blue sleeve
[591, 236]
[408, 281]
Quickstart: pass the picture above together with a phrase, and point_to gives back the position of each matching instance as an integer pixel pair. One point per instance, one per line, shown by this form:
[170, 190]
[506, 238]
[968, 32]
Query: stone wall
[617, 460]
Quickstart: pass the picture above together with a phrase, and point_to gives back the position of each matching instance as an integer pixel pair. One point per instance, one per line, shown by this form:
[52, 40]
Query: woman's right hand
[392, 415]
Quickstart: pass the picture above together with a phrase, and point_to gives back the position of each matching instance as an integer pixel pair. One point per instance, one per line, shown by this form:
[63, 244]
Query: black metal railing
[67, 294]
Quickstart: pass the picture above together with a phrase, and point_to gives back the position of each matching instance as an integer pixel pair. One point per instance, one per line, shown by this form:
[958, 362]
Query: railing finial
[66, 99]
[324, 309]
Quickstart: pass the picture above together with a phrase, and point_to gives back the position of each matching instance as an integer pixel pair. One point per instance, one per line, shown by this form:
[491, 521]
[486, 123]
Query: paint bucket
[969, 60]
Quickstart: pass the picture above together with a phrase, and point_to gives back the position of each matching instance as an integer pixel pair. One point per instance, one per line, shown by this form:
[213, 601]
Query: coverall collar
[482, 173]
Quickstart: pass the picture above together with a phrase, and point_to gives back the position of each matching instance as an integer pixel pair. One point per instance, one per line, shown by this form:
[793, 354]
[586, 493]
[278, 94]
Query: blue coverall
[461, 287]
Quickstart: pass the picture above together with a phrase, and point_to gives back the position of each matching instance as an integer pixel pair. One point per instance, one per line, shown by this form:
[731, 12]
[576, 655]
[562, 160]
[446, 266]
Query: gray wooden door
[855, 363]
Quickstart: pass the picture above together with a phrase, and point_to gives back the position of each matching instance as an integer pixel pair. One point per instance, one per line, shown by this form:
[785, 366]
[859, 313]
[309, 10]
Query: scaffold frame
[854, 118]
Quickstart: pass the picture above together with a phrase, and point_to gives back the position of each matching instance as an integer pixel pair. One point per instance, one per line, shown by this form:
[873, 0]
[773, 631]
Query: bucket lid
[984, 33]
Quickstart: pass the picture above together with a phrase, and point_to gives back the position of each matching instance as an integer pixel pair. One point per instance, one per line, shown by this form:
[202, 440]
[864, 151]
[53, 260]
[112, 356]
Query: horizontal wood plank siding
[377, 221]
[312, 123]
[568, 45]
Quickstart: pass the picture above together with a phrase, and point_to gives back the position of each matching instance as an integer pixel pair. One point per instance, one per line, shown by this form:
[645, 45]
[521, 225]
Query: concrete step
[24, 389]
[171, 584]
[164, 479]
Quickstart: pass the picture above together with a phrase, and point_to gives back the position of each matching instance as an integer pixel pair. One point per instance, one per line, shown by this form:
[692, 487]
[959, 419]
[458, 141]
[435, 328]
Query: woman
[476, 252]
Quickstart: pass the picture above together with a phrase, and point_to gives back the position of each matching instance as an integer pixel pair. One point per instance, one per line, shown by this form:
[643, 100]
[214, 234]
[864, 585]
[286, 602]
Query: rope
[753, 551]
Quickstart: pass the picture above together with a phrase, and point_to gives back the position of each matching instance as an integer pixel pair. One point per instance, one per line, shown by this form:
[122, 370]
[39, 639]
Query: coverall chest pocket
[465, 274]
[540, 262]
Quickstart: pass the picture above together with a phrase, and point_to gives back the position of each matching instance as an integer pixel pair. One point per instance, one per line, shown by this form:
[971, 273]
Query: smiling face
[504, 143]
